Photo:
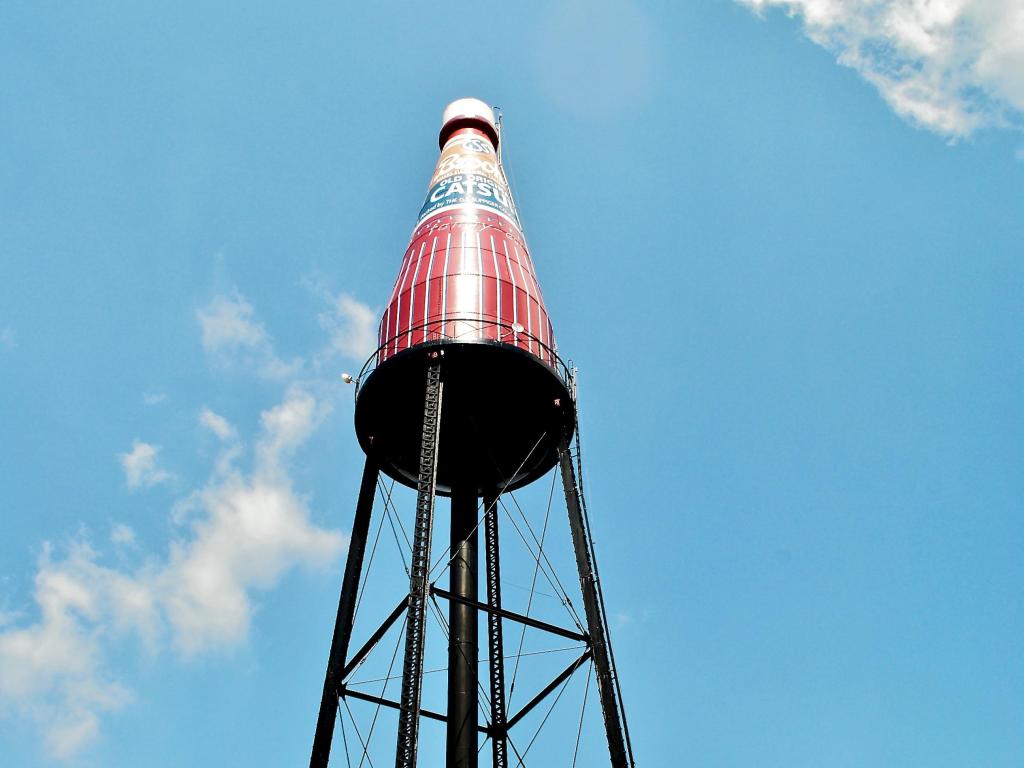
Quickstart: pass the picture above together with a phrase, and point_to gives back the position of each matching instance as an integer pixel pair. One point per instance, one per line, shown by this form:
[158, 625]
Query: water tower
[466, 397]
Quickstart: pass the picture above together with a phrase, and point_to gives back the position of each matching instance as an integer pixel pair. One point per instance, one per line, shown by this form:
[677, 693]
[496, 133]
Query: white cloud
[122, 534]
[285, 427]
[246, 530]
[52, 672]
[154, 398]
[217, 424]
[227, 322]
[8, 338]
[232, 336]
[234, 536]
[951, 66]
[140, 466]
[243, 531]
[1019, 154]
[351, 327]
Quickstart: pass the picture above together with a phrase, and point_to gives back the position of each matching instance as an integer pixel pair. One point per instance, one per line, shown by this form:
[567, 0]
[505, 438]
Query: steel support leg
[613, 721]
[462, 627]
[416, 624]
[495, 642]
[343, 623]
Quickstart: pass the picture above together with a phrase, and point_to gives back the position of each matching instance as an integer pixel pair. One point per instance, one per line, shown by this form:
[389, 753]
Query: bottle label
[468, 174]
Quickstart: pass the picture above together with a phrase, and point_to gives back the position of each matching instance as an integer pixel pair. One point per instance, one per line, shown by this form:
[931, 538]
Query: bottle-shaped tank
[467, 294]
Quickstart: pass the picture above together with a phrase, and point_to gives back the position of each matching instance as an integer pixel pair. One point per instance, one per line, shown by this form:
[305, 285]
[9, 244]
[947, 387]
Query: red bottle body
[467, 274]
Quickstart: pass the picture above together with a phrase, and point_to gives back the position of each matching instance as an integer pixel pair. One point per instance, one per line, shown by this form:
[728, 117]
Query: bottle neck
[467, 125]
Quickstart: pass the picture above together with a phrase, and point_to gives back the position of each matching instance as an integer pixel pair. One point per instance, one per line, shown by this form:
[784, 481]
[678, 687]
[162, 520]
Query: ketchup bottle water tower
[466, 397]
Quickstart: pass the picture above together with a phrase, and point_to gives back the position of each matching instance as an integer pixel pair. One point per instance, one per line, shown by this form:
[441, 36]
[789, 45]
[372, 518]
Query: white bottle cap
[463, 111]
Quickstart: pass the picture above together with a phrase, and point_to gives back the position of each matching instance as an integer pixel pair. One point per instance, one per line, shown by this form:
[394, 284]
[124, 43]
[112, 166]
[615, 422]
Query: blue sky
[782, 241]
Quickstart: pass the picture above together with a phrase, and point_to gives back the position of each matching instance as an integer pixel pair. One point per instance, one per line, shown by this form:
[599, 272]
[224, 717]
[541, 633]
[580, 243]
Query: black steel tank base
[503, 414]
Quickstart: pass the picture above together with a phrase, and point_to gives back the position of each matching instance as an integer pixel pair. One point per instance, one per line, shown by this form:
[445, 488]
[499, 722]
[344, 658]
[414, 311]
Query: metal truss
[416, 622]
[600, 643]
[324, 734]
[595, 637]
[495, 641]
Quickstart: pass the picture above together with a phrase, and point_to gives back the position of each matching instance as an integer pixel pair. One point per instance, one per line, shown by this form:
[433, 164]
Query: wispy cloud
[53, 672]
[8, 338]
[231, 336]
[140, 466]
[217, 424]
[227, 323]
[122, 535]
[237, 534]
[154, 398]
[244, 531]
[232, 537]
[951, 66]
[351, 327]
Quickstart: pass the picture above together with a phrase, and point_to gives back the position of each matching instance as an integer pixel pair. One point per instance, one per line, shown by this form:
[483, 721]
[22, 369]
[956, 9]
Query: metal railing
[468, 329]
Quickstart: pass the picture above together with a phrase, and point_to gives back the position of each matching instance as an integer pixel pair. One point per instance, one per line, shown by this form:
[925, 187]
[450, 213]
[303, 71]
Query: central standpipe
[462, 643]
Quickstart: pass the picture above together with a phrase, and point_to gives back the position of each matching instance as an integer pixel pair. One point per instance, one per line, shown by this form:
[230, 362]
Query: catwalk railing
[474, 330]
